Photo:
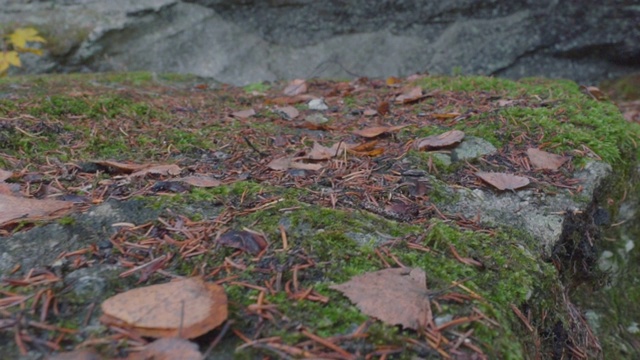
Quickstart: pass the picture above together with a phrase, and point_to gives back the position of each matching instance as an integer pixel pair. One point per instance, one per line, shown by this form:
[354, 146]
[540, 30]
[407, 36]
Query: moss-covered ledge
[521, 263]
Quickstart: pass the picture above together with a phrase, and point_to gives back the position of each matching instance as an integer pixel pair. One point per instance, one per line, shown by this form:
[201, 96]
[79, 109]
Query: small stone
[472, 147]
[316, 119]
[318, 104]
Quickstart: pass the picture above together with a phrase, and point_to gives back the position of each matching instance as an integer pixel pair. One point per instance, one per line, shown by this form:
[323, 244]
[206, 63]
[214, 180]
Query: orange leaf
[502, 181]
[377, 130]
[161, 310]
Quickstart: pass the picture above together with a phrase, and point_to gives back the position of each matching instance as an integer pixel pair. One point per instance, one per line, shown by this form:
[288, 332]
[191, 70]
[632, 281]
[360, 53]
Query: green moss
[257, 87]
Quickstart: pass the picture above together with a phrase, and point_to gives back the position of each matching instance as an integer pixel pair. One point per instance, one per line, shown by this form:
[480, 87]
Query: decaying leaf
[411, 95]
[383, 108]
[377, 130]
[287, 112]
[200, 181]
[392, 80]
[544, 160]
[319, 152]
[395, 296]
[169, 349]
[243, 114]
[296, 87]
[444, 116]
[594, 92]
[503, 181]
[172, 169]
[13, 208]
[115, 167]
[439, 141]
[248, 241]
[185, 308]
[4, 174]
[286, 163]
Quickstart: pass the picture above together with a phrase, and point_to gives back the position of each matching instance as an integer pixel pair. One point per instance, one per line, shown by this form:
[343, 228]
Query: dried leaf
[172, 169]
[544, 160]
[594, 92]
[115, 167]
[383, 108]
[370, 112]
[247, 241]
[392, 80]
[395, 296]
[4, 174]
[13, 208]
[169, 349]
[161, 310]
[368, 146]
[502, 181]
[377, 130]
[243, 114]
[286, 163]
[287, 112]
[444, 116]
[319, 152]
[439, 141]
[412, 95]
[296, 87]
[200, 181]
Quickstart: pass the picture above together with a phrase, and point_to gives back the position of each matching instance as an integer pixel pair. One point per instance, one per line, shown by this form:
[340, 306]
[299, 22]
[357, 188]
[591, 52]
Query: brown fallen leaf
[243, 114]
[411, 95]
[247, 241]
[319, 152]
[289, 100]
[383, 108]
[4, 174]
[367, 146]
[169, 349]
[594, 92]
[377, 130]
[287, 112]
[286, 163]
[544, 160]
[439, 141]
[14, 208]
[370, 112]
[503, 181]
[392, 81]
[200, 181]
[296, 87]
[116, 167]
[172, 169]
[185, 308]
[395, 296]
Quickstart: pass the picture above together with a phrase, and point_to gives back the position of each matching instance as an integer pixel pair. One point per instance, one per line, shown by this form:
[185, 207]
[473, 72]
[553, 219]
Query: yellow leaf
[8, 58]
[32, 50]
[20, 37]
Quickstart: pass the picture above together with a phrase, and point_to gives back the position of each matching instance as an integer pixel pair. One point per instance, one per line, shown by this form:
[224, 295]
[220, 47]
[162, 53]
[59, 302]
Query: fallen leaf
[370, 112]
[544, 160]
[115, 167]
[412, 95]
[319, 152]
[296, 87]
[287, 112]
[247, 241]
[168, 349]
[503, 181]
[395, 296]
[185, 308]
[172, 169]
[444, 116]
[368, 146]
[383, 108]
[13, 208]
[4, 174]
[286, 163]
[439, 141]
[289, 100]
[594, 92]
[200, 181]
[377, 130]
[243, 114]
[392, 80]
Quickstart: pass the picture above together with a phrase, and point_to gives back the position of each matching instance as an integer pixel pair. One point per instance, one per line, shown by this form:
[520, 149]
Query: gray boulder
[245, 41]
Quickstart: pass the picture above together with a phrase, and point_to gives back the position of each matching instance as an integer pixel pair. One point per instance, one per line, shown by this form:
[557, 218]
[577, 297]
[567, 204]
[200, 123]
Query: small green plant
[16, 43]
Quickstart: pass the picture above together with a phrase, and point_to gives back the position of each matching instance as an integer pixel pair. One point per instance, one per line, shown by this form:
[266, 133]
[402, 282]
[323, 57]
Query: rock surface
[247, 41]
